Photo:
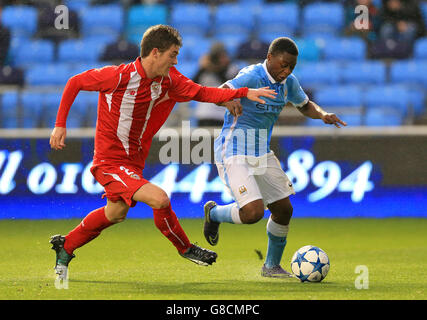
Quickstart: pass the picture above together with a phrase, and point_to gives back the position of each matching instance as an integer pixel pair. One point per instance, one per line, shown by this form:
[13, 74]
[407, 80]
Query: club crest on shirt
[242, 189]
[156, 90]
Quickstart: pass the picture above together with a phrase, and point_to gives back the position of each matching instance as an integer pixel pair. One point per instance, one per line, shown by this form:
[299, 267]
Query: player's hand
[57, 138]
[234, 107]
[254, 94]
[331, 118]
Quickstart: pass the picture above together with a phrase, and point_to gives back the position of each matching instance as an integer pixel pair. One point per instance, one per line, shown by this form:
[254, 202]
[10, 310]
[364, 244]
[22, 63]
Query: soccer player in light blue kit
[246, 165]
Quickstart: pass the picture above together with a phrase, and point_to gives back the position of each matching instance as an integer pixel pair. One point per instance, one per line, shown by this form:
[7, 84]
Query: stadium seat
[233, 18]
[21, 20]
[51, 102]
[278, 18]
[315, 74]
[194, 48]
[308, 50]
[268, 36]
[367, 72]
[78, 5]
[383, 117]
[322, 18]
[9, 102]
[85, 108]
[345, 49]
[417, 101]
[191, 19]
[188, 68]
[32, 109]
[79, 51]
[36, 51]
[387, 96]
[339, 96]
[140, 17]
[409, 72]
[47, 75]
[231, 42]
[420, 49]
[102, 20]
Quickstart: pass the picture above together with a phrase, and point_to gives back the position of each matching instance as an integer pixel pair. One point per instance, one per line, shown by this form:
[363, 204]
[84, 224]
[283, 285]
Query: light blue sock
[222, 213]
[276, 246]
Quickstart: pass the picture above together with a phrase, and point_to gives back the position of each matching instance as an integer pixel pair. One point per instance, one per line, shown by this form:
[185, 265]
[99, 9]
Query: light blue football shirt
[250, 133]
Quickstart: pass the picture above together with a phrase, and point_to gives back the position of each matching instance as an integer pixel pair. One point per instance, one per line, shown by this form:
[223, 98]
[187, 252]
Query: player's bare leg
[215, 215]
[88, 229]
[166, 221]
[277, 231]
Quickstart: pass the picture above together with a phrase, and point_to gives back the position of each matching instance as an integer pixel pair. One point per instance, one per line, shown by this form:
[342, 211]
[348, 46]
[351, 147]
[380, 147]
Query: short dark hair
[161, 37]
[281, 45]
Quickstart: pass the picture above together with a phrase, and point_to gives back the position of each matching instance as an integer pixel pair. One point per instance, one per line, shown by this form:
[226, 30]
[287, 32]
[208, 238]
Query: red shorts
[119, 182]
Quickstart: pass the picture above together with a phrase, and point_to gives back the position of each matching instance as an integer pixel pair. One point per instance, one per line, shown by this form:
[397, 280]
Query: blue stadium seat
[141, 17]
[47, 75]
[409, 72]
[267, 36]
[345, 49]
[194, 48]
[417, 100]
[339, 96]
[383, 117]
[78, 5]
[322, 18]
[233, 18]
[80, 51]
[9, 102]
[387, 97]
[51, 102]
[315, 74]
[278, 18]
[31, 52]
[232, 42]
[102, 20]
[367, 72]
[191, 19]
[308, 50]
[32, 109]
[21, 20]
[85, 108]
[420, 49]
[188, 68]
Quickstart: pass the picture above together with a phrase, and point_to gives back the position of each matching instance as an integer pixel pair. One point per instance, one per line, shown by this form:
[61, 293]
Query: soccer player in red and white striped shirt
[135, 100]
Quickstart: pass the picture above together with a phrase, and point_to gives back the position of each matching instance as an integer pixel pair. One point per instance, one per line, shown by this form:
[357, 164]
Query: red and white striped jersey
[132, 107]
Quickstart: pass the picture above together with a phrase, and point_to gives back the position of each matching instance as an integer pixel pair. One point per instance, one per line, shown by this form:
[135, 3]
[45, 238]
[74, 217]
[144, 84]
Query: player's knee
[252, 215]
[161, 201]
[118, 215]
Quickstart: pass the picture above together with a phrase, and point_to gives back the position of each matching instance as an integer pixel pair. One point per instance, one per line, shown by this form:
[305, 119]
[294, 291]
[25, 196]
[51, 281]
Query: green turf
[132, 260]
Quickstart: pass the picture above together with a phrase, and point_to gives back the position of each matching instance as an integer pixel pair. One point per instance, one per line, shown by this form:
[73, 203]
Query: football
[310, 264]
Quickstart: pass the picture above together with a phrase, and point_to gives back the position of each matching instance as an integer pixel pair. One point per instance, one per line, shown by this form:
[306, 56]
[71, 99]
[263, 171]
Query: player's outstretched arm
[57, 138]
[314, 111]
[255, 94]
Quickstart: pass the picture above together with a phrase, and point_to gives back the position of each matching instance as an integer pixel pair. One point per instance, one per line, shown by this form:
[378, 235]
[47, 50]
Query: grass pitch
[132, 260]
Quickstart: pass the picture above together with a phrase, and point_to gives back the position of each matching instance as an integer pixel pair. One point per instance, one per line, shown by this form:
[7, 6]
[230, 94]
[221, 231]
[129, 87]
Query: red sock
[167, 222]
[90, 227]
